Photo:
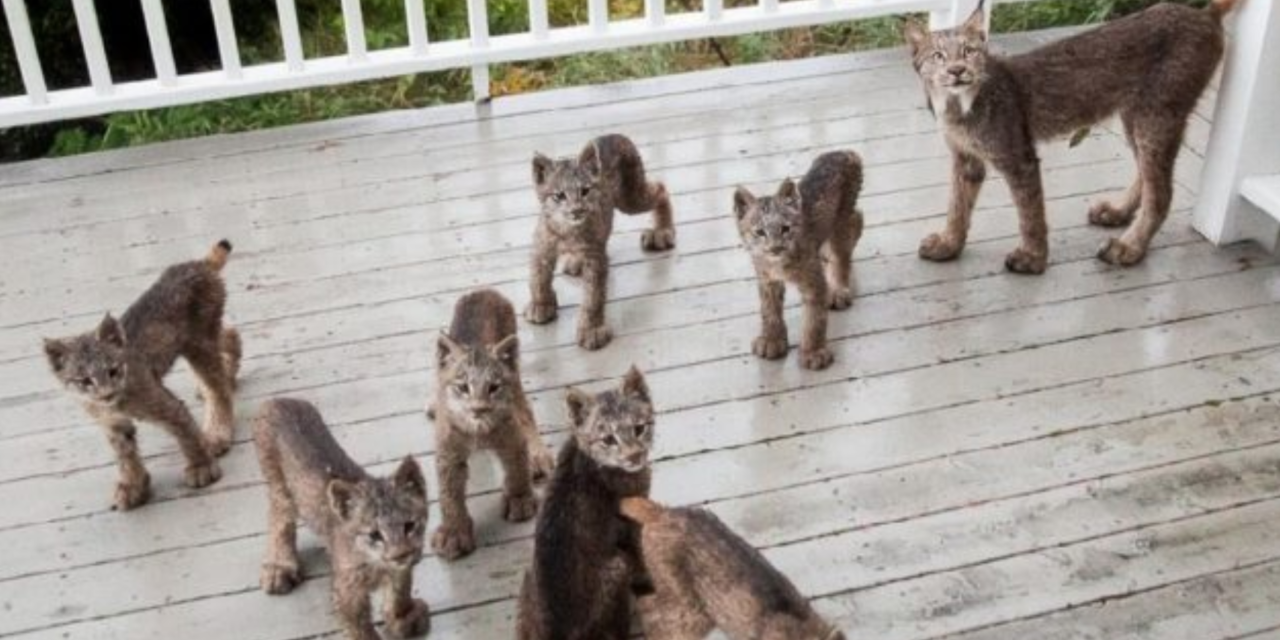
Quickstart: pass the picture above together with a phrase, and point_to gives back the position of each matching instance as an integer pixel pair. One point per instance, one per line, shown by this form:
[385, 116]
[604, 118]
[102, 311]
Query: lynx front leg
[967, 175]
[839, 256]
[351, 604]
[280, 568]
[166, 410]
[518, 501]
[593, 333]
[814, 354]
[407, 616]
[1023, 176]
[541, 461]
[542, 303]
[772, 342]
[455, 537]
[134, 487]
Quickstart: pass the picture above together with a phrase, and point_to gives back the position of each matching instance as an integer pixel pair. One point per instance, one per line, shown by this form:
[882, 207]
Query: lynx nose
[481, 409]
[403, 556]
[636, 459]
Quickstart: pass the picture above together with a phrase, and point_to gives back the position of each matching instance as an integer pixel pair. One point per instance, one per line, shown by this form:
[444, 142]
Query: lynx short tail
[218, 255]
[641, 510]
[1220, 8]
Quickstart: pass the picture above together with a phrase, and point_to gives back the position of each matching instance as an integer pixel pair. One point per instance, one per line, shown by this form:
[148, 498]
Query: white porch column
[1244, 148]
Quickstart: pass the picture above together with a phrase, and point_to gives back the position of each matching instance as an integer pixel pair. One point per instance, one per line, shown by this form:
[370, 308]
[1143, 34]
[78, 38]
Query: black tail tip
[225, 245]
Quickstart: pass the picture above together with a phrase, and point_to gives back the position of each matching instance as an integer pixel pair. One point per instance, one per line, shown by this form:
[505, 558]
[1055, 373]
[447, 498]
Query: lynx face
[615, 428]
[386, 518]
[479, 383]
[952, 61]
[568, 190]
[92, 365]
[771, 227]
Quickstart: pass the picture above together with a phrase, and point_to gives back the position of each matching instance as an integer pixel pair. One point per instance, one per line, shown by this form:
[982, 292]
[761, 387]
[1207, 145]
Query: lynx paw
[572, 266]
[1103, 214]
[841, 299]
[541, 464]
[453, 542]
[540, 313]
[411, 623]
[1116, 252]
[592, 338]
[279, 579]
[770, 348]
[658, 239]
[816, 359]
[939, 249]
[217, 444]
[519, 508]
[132, 494]
[1025, 262]
[202, 475]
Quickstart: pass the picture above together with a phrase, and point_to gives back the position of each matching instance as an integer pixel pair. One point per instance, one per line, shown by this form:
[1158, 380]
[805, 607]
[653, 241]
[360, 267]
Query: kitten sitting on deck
[117, 371]
[584, 558]
[374, 528]
[1150, 68]
[705, 578]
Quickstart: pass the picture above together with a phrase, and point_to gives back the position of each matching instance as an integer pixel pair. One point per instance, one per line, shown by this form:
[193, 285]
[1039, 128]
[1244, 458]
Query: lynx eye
[585, 191]
[968, 51]
[559, 196]
[410, 527]
[85, 382]
[610, 440]
[375, 537]
[462, 388]
[939, 56]
[114, 372]
[786, 229]
[495, 387]
[641, 429]
[760, 233]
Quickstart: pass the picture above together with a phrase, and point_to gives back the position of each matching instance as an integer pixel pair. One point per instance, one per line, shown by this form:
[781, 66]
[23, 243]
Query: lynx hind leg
[638, 195]
[1158, 144]
[217, 386]
[666, 616]
[232, 351]
[838, 253]
[1120, 213]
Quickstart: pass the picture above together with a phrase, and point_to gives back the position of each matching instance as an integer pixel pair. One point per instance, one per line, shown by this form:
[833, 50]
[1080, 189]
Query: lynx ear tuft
[743, 200]
[408, 478]
[447, 349]
[916, 36]
[976, 25]
[109, 331]
[589, 159]
[508, 350]
[633, 384]
[788, 190]
[56, 352]
[542, 166]
[579, 405]
[342, 497]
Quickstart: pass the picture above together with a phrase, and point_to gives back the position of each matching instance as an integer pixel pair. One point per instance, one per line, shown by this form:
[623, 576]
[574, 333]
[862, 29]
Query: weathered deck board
[1089, 452]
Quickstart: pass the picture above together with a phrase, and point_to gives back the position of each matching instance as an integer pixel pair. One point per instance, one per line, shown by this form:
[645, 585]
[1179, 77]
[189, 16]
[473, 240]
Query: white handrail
[476, 52]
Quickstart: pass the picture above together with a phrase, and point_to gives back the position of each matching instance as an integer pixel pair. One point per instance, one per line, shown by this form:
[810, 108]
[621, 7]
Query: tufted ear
[589, 159]
[447, 349]
[109, 331]
[976, 25]
[633, 384]
[579, 405]
[342, 497]
[408, 478]
[56, 352]
[542, 166]
[743, 200]
[789, 191]
[916, 35]
[508, 350]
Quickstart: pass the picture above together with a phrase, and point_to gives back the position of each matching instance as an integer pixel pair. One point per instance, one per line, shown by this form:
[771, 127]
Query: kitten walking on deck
[117, 372]
[480, 405]
[374, 528]
[789, 236]
[705, 577]
[578, 198]
[1150, 68]
[585, 561]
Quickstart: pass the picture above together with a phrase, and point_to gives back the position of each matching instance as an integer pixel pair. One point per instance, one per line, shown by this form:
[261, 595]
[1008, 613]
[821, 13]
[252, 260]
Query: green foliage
[323, 30]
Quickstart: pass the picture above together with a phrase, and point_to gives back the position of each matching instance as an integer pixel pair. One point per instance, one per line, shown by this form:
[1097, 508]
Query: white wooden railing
[103, 95]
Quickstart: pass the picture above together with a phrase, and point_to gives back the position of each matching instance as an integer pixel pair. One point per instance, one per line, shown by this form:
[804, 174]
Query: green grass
[323, 31]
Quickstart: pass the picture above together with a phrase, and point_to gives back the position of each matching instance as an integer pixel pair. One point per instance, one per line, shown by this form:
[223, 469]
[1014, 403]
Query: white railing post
[416, 17]
[598, 15]
[353, 22]
[24, 45]
[539, 21]
[656, 12]
[228, 48]
[290, 35]
[714, 9]
[769, 6]
[478, 19]
[158, 37]
[957, 13]
[91, 40]
[1246, 130]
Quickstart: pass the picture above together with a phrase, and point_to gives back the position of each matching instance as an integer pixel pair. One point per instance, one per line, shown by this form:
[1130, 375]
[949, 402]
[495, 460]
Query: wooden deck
[1094, 453]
